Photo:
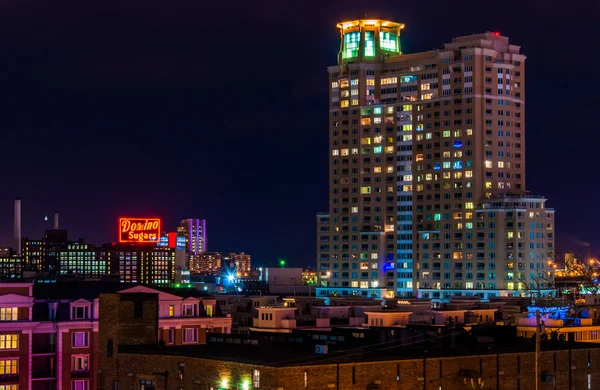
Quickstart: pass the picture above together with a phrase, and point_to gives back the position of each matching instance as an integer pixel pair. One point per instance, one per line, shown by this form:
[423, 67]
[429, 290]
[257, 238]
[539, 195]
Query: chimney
[17, 238]
[55, 221]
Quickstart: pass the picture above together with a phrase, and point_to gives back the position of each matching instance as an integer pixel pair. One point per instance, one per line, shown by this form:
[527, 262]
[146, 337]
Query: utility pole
[538, 344]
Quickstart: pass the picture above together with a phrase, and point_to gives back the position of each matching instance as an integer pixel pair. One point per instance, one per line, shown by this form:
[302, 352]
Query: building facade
[49, 336]
[207, 262]
[427, 171]
[194, 231]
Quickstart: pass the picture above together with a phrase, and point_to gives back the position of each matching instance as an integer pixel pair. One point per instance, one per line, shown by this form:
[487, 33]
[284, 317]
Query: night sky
[218, 110]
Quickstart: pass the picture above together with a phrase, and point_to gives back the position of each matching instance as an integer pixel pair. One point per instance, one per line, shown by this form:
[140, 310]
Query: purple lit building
[194, 231]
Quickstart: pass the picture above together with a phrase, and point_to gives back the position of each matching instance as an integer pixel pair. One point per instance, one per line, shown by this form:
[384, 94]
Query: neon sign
[142, 230]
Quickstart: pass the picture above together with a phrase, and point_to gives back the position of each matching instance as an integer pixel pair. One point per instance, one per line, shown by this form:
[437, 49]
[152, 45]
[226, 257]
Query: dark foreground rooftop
[262, 352]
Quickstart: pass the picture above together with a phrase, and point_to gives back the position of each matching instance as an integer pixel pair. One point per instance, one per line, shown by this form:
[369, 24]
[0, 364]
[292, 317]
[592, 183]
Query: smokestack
[17, 243]
[55, 221]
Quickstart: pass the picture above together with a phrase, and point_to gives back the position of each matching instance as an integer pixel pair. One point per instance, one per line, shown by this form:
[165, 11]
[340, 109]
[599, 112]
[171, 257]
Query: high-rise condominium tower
[427, 189]
[194, 231]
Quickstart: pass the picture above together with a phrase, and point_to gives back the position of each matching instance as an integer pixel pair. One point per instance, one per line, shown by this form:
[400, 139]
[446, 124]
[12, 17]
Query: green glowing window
[351, 43]
[387, 41]
[365, 111]
[377, 110]
[378, 149]
[369, 44]
[436, 217]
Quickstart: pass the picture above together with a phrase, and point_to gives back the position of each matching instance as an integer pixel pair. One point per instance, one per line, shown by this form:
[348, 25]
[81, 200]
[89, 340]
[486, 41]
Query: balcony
[80, 374]
[9, 378]
[41, 349]
[43, 374]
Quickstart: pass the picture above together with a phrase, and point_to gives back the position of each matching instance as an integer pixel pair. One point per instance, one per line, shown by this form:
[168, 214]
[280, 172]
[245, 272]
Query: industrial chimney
[55, 221]
[17, 238]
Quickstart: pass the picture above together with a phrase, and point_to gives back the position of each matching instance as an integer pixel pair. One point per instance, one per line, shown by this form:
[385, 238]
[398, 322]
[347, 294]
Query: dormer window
[80, 312]
[189, 310]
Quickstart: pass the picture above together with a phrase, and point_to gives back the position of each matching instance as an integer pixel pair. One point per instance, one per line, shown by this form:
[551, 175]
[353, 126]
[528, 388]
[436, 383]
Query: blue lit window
[458, 143]
[378, 149]
[436, 166]
[408, 79]
[377, 110]
[420, 127]
[469, 163]
[457, 165]
[437, 217]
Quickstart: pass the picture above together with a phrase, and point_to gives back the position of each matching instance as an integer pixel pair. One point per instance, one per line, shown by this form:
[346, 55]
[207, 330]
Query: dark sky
[218, 110]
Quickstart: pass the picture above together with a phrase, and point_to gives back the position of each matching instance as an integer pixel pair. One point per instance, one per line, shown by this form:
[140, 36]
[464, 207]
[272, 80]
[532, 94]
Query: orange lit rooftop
[369, 22]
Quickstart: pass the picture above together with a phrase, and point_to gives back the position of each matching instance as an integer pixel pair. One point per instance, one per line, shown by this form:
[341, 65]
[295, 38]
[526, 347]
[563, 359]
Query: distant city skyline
[154, 119]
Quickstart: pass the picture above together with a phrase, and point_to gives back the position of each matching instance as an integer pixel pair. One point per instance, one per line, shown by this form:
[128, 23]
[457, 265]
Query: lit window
[469, 131]
[345, 93]
[190, 335]
[355, 102]
[374, 257]
[437, 217]
[335, 84]
[335, 152]
[488, 164]
[80, 339]
[420, 157]
[85, 385]
[354, 92]
[390, 110]
[365, 190]
[446, 133]
[9, 341]
[446, 165]
[9, 314]
[468, 173]
[354, 83]
[79, 363]
[488, 185]
[387, 41]
[354, 210]
[354, 284]
[344, 103]
[345, 152]
[389, 80]
[425, 87]
[344, 83]
[370, 82]
[389, 149]
[369, 44]
[354, 150]
[365, 141]
[378, 149]
[351, 44]
[407, 107]
[428, 176]
[500, 164]
[390, 169]
[406, 127]
[365, 121]
[426, 96]
[9, 366]
[377, 120]
[469, 206]
[256, 378]
[364, 284]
